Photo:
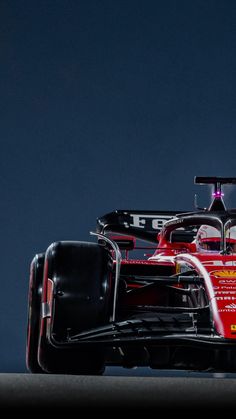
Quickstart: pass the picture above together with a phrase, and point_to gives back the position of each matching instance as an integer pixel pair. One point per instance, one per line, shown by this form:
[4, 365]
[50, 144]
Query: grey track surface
[58, 392]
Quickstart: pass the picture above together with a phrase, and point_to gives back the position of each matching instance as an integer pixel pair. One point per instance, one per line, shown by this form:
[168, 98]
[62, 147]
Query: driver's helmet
[209, 239]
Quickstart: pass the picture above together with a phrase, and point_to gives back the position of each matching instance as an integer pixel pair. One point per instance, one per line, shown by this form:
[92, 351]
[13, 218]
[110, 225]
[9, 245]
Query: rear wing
[217, 204]
[144, 225]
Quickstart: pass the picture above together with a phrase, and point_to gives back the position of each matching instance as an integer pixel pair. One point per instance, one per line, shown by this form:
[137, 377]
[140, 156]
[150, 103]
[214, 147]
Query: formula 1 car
[156, 289]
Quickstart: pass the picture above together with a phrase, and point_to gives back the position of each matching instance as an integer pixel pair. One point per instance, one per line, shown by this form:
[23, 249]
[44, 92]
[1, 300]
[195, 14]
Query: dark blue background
[105, 105]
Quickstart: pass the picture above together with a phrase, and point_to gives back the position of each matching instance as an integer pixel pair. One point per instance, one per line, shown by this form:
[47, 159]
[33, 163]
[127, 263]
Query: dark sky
[105, 105]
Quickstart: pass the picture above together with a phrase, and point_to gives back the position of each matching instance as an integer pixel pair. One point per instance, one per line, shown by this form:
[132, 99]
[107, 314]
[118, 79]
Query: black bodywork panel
[144, 225]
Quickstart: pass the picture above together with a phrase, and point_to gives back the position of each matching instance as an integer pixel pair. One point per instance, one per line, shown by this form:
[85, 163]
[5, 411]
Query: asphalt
[43, 393]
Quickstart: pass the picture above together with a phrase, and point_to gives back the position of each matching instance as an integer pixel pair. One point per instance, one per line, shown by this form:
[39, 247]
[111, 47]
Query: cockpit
[210, 232]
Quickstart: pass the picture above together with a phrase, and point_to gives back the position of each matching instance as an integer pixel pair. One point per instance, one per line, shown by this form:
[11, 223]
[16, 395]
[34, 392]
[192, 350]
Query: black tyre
[34, 303]
[81, 288]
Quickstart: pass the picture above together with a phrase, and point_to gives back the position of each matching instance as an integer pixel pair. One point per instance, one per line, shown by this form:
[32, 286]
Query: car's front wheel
[79, 274]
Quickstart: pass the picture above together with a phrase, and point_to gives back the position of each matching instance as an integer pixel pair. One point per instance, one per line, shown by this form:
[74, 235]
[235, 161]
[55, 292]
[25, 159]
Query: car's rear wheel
[34, 304]
[79, 274]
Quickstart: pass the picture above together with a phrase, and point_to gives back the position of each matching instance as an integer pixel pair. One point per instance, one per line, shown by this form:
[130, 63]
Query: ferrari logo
[233, 328]
[224, 274]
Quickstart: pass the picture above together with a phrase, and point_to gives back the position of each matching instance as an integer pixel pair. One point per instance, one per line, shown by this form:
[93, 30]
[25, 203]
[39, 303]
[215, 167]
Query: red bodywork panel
[219, 275]
[222, 274]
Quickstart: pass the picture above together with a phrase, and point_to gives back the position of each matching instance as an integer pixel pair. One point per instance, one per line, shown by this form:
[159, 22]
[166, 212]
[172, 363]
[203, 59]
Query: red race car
[157, 289]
